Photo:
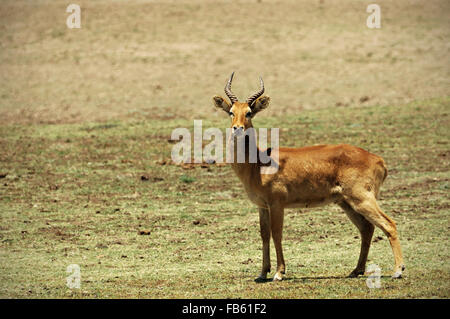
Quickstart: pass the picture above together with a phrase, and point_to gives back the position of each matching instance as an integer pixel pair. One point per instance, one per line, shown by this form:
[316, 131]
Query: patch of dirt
[160, 78]
[187, 166]
[147, 177]
[55, 233]
[425, 184]
[200, 222]
[377, 239]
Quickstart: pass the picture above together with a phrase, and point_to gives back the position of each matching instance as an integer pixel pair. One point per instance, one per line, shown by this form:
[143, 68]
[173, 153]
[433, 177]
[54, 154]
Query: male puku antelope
[309, 177]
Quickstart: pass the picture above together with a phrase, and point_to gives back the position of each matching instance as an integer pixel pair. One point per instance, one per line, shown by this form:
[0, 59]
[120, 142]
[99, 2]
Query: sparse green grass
[187, 179]
[74, 194]
[86, 116]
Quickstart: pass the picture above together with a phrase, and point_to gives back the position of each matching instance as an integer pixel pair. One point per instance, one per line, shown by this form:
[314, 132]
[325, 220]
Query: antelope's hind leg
[264, 223]
[370, 210]
[366, 230]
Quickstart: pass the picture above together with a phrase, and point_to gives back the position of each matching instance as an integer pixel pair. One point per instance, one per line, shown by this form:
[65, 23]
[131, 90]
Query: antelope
[310, 176]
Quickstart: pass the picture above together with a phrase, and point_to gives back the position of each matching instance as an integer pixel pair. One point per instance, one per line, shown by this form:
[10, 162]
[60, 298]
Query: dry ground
[159, 59]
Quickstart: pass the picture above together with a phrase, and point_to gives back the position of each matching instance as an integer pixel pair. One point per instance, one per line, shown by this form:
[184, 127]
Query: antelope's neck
[248, 171]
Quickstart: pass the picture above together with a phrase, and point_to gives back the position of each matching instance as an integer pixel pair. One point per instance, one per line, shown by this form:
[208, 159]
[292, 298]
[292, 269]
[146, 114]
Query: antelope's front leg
[276, 219]
[264, 223]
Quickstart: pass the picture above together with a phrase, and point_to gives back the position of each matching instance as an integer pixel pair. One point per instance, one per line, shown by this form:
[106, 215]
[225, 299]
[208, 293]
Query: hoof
[261, 279]
[397, 275]
[277, 277]
[355, 273]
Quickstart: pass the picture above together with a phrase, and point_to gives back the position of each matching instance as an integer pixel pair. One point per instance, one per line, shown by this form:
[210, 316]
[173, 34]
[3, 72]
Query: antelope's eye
[231, 114]
[248, 115]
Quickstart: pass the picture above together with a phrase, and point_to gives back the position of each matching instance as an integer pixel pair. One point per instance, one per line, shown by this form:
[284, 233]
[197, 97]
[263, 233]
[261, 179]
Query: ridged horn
[252, 98]
[228, 92]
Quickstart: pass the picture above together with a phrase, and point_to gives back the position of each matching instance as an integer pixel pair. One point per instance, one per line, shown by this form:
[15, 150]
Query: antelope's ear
[220, 103]
[260, 104]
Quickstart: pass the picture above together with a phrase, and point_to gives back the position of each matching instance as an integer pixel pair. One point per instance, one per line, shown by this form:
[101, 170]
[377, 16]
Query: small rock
[161, 162]
[378, 238]
[53, 187]
[364, 99]
[247, 261]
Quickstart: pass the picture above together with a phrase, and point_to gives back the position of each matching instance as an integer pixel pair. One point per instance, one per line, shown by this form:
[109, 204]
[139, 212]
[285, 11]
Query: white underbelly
[308, 204]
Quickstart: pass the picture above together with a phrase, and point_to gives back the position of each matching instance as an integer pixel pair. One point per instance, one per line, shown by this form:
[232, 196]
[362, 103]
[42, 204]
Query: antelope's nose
[238, 128]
